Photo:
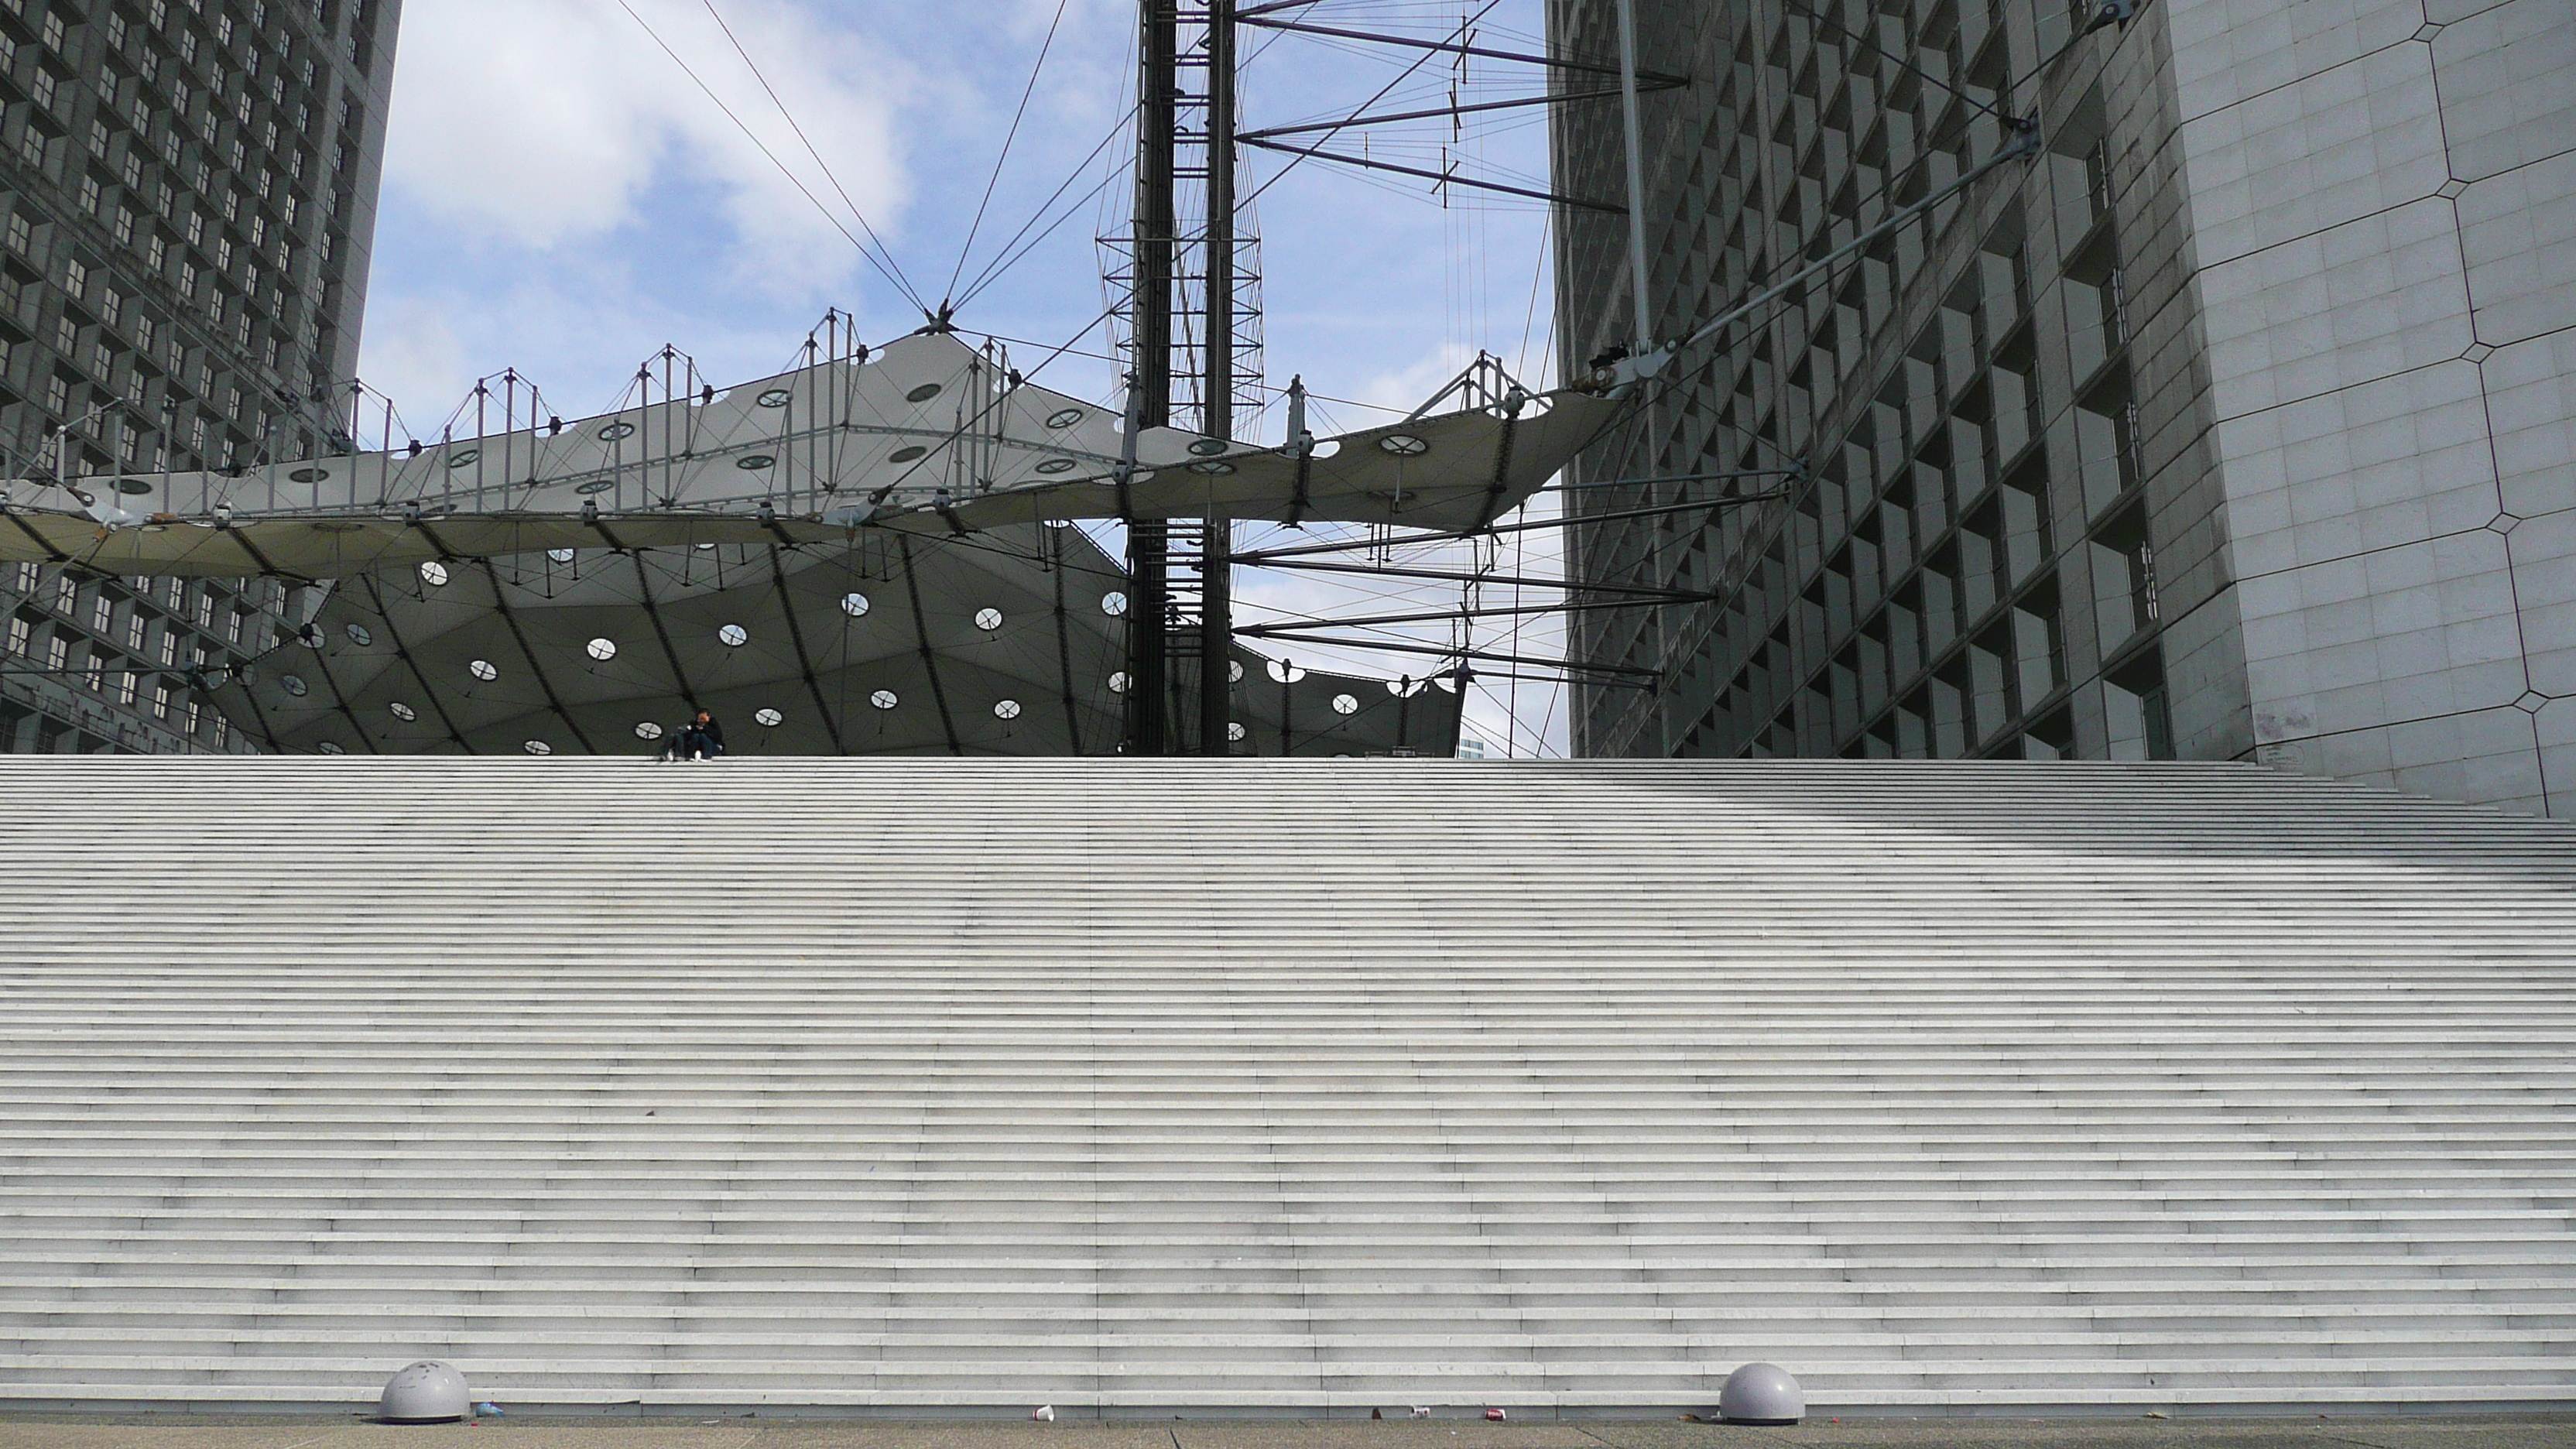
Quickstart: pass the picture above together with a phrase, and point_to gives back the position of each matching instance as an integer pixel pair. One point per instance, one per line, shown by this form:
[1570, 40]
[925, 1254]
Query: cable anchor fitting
[2024, 140]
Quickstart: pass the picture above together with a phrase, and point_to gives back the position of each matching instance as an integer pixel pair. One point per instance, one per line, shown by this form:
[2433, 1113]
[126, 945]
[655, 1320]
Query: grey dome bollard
[1761, 1393]
[428, 1392]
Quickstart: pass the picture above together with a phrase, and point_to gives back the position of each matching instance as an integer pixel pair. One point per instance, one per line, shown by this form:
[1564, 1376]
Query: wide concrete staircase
[1264, 1086]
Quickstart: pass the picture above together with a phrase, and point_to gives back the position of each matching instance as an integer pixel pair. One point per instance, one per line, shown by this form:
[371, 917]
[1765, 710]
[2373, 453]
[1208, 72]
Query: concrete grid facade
[187, 205]
[2237, 424]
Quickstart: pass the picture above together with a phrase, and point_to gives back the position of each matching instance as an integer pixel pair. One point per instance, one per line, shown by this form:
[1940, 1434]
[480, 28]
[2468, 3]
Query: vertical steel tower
[1185, 324]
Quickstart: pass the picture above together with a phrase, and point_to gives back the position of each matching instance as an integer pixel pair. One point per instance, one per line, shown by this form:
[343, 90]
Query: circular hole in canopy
[1285, 672]
[768, 719]
[1113, 604]
[402, 711]
[463, 456]
[300, 475]
[1208, 447]
[292, 685]
[883, 699]
[1403, 445]
[602, 649]
[1212, 469]
[538, 747]
[647, 730]
[1345, 704]
[854, 604]
[1234, 672]
[1118, 682]
[776, 397]
[330, 748]
[1006, 709]
[433, 573]
[1064, 417]
[906, 455]
[615, 431]
[359, 636]
[484, 669]
[1234, 730]
[1057, 465]
[988, 620]
[734, 636]
[923, 393]
[560, 555]
[755, 462]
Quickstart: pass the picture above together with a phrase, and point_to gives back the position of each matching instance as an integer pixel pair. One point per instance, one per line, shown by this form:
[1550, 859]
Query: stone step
[942, 1085]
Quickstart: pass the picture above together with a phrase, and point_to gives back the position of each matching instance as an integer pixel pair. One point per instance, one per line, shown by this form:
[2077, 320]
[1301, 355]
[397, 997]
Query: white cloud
[426, 349]
[542, 122]
[1405, 389]
[415, 357]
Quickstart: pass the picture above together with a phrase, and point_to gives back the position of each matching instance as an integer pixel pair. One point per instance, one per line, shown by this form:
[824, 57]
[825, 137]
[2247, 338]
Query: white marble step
[942, 1085]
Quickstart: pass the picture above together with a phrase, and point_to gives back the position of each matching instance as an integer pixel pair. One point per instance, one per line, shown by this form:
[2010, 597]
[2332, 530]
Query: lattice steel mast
[1216, 389]
[1180, 631]
[1152, 247]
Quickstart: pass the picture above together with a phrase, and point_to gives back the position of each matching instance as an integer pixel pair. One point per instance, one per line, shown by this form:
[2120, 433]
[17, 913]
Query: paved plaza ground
[2555, 1431]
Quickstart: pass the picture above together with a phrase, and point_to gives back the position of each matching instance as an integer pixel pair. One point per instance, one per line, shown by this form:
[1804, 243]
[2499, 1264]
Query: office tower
[189, 194]
[2234, 423]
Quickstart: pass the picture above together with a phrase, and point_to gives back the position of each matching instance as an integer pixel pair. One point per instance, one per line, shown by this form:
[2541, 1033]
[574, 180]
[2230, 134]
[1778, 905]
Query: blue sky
[562, 197]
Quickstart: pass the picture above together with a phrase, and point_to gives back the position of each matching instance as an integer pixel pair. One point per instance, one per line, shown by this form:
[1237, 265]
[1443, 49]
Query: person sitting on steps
[700, 739]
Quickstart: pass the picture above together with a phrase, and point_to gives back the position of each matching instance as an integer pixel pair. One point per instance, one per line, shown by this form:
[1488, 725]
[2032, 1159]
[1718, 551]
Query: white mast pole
[1645, 342]
[1636, 171]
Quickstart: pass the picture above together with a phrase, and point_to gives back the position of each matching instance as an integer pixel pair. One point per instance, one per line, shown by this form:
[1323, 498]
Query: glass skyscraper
[189, 190]
[2235, 424]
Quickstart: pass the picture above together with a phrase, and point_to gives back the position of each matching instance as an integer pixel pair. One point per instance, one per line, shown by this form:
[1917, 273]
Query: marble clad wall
[2383, 209]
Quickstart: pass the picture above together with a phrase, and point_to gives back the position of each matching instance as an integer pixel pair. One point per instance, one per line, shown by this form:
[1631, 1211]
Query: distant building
[190, 193]
[1470, 747]
[2241, 423]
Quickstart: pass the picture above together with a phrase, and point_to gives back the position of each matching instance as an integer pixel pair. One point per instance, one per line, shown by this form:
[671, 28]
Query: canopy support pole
[1216, 407]
[1636, 172]
[1149, 540]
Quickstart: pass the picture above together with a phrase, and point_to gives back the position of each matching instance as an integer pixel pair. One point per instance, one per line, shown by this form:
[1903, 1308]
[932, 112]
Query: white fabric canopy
[927, 435]
[1008, 643]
